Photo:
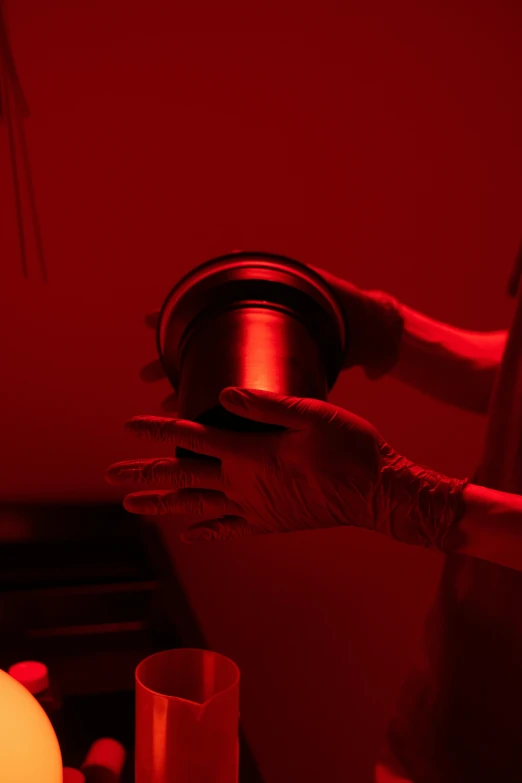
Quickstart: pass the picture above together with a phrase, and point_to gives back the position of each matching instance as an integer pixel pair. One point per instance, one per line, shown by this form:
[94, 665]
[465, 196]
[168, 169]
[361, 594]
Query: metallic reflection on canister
[249, 319]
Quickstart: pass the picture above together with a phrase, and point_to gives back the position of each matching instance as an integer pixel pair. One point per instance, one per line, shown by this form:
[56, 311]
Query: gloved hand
[328, 468]
[514, 280]
[374, 324]
[153, 371]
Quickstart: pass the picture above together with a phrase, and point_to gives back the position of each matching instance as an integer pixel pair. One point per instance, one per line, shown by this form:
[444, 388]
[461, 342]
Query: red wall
[378, 140]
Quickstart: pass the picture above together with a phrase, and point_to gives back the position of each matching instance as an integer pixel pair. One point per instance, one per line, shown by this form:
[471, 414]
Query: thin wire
[7, 61]
[14, 170]
[13, 104]
[32, 200]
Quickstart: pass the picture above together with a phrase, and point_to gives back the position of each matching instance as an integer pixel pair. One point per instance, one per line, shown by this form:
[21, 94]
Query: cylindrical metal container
[249, 319]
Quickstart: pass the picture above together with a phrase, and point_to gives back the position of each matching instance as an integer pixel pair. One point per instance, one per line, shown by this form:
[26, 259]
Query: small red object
[71, 775]
[33, 675]
[104, 761]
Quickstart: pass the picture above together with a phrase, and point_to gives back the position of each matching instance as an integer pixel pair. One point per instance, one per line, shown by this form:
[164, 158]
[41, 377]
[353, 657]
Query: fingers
[152, 320]
[272, 408]
[226, 529]
[514, 280]
[152, 372]
[204, 505]
[186, 434]
[176, 473]
[170, 403]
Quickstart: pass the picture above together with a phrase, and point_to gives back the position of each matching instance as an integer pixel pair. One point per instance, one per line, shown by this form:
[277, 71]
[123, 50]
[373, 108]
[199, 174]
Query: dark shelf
[90, 591]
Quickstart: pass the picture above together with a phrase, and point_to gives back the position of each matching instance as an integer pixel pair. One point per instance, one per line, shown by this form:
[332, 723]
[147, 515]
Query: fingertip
[232, 396]
[170, 404]
[140, 425]
[152, 372]
[152, 320]
[143, 503]
[110, 476]
[131, 426]
[129, 506]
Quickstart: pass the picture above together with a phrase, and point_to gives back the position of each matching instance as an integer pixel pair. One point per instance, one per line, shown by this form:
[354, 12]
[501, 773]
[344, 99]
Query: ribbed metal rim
[261, 262]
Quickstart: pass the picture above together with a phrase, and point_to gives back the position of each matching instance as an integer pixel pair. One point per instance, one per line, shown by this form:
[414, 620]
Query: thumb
[269, 407]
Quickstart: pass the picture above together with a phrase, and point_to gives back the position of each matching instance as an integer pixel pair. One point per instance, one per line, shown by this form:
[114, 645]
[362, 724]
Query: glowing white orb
[29, 750]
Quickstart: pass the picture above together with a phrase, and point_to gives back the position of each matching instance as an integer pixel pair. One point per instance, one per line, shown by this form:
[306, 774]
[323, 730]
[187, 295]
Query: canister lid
[244, 276]
[107, 754]
[33, 675]
[71, 775]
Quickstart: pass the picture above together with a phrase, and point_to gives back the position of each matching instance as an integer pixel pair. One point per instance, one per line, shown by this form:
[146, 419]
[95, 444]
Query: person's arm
[385, 336]
[491, 527]
[451, 364]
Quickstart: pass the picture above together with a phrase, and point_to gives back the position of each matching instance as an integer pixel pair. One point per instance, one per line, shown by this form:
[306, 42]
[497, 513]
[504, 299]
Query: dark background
[380, 141]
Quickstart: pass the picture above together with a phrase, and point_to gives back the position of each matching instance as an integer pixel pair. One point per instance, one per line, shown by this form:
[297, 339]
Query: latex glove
[374, 323]
[514, 279]
[153, 371]
[328, 468]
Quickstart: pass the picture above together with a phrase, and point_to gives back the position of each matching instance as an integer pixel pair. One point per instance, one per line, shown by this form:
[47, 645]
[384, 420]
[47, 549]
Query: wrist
[491, 527]
[386, 327]
[417, 505]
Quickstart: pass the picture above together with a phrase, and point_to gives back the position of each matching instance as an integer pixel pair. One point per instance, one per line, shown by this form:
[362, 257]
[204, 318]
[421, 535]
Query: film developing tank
[249, 319]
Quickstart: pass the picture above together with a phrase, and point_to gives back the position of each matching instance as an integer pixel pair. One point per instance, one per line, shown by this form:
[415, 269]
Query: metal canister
[250, 319]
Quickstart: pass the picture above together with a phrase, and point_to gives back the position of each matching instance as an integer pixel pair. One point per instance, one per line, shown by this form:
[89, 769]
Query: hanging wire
[14, 109]
[6, 106]
[32, 199]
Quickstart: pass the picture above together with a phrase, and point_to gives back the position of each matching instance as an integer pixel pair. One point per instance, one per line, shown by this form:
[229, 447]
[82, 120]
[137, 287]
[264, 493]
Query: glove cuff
[416, 505]
[388, 321]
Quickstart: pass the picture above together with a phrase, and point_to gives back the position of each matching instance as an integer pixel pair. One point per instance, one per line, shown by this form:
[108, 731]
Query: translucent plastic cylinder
[187, 718]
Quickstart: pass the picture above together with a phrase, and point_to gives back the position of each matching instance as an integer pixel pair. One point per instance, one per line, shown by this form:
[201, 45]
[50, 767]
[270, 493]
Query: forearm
[450, 364]
[384, 336]
[491, 527]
